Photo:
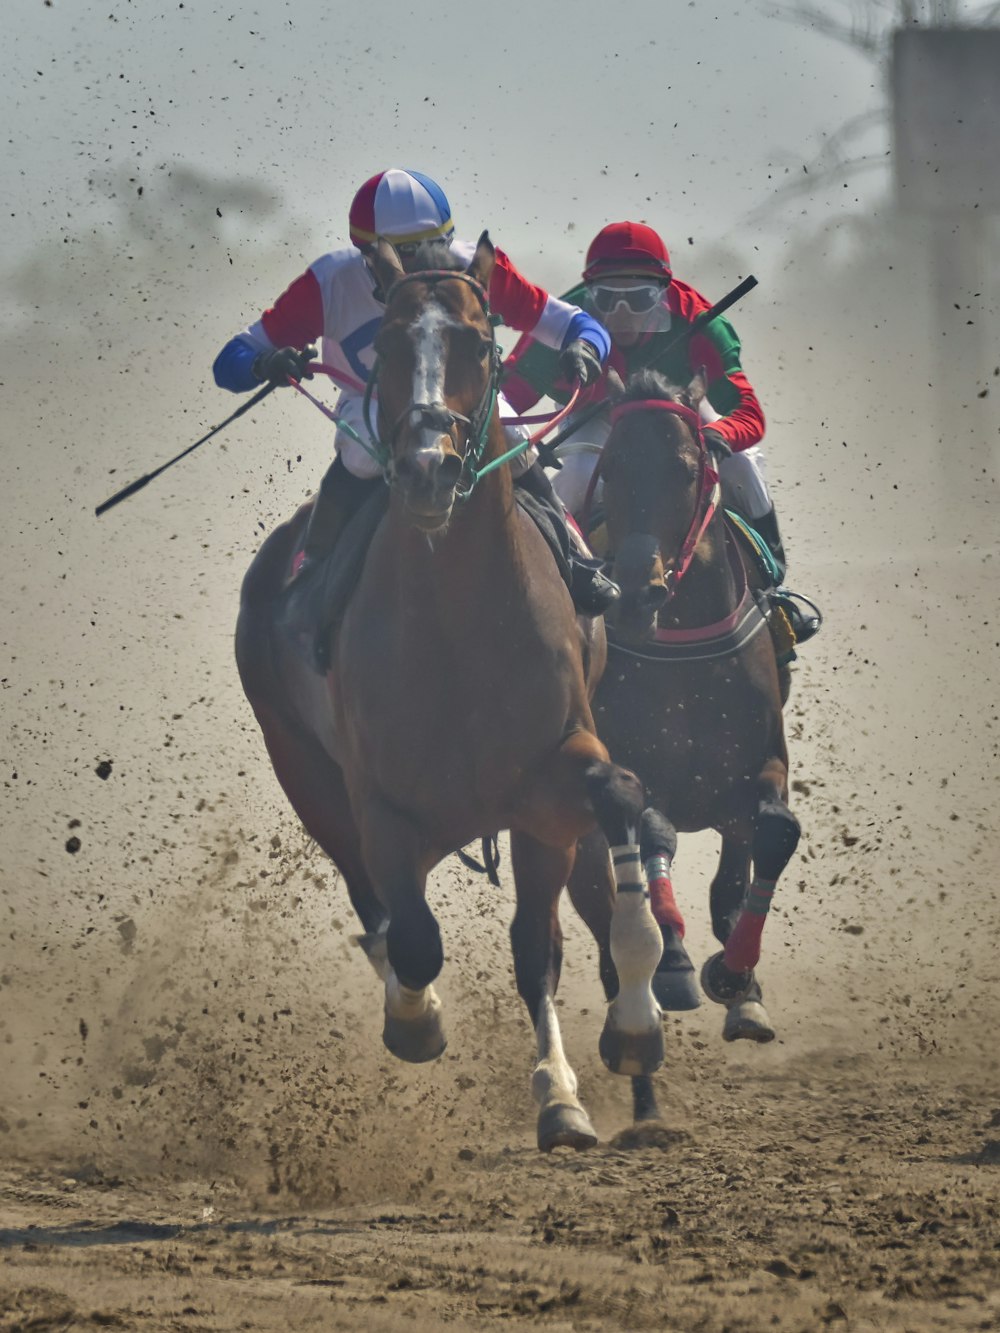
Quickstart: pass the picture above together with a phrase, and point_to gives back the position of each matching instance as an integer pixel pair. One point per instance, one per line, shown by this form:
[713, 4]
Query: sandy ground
[199, 1129]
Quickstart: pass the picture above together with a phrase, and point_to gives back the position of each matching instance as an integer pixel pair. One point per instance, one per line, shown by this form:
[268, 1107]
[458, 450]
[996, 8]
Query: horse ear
[697, 389]
[385, 262]
[483, 260]
[615, 386]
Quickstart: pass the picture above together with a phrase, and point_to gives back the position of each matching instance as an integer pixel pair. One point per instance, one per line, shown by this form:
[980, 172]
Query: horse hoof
[415, 1042]
[631, 1053]
[722, 985]
[676, 989]
[747, 1021]
[561, 1126]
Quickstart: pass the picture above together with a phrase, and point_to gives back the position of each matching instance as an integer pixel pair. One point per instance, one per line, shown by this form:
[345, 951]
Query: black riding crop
[134, 486]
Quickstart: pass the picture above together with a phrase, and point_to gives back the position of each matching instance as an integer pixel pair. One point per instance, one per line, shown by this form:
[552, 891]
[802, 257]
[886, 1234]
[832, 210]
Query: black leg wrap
[657, 836]
[776, 836]
[414, 946]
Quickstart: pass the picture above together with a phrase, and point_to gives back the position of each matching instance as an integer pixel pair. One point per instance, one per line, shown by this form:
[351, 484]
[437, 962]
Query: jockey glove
[715, 444]
[580, 361]
[281, 362]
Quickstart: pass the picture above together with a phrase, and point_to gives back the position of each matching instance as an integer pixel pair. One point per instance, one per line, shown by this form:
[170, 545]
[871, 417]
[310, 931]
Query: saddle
[313, 603]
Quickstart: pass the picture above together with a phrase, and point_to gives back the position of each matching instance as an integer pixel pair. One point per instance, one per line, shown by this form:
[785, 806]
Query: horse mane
[645, 384]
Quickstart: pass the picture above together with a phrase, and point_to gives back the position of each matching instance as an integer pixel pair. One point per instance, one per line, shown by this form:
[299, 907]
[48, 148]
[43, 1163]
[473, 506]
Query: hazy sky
[542, 120]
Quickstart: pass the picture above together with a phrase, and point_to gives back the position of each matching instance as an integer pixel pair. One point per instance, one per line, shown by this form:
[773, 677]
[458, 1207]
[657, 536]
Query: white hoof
[747, 1020]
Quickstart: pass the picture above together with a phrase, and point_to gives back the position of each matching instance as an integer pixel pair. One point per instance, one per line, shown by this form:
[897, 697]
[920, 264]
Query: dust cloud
[181, 997]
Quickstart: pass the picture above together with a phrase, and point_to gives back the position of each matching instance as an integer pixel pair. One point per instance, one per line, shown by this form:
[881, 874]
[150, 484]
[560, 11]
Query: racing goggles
[640, 297]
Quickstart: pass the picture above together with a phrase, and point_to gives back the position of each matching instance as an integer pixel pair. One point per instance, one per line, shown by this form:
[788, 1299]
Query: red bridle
[707, 501]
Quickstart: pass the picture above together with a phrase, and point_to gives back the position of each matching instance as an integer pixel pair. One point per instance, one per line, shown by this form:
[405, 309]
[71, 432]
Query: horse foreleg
[632, 1040]
[592, 892]
[413, 955]
[536, 939]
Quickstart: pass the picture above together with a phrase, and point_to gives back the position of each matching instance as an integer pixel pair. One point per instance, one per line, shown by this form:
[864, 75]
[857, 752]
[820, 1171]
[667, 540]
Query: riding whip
[134, 486]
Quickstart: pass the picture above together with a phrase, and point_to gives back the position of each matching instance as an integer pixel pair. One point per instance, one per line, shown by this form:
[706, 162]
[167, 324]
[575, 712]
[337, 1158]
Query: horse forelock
[651, 384]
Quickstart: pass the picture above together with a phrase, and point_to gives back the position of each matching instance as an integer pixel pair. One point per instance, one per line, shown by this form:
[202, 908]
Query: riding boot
[341, 494]
[592, 591]
[804, 624]
[767, 527]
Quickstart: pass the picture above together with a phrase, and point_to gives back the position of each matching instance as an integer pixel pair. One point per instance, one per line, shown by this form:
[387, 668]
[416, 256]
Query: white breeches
[744, 484]
[357, 460]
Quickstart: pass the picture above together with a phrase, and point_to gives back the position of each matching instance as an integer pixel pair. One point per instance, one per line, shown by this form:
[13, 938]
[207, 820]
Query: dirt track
[202, 1132]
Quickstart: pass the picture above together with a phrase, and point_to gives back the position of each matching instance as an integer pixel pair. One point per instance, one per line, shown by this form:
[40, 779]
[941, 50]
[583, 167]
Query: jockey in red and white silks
[337, 304]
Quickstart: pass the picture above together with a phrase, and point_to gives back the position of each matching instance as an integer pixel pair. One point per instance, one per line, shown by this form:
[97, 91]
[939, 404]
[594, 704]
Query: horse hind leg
[536, 941]
[674, 984]
[632, 1040]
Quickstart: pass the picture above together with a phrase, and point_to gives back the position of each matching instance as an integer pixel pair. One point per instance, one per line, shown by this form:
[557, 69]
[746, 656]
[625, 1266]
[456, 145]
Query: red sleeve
[296, 318]
[519, 392]
[518, 302]
[717, 348]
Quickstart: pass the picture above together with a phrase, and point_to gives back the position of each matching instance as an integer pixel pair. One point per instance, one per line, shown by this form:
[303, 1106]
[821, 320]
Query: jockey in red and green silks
[629, 286]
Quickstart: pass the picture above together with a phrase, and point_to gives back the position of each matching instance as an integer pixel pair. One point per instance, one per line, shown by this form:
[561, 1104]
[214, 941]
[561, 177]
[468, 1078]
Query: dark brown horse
[456, 702]
[691, 700]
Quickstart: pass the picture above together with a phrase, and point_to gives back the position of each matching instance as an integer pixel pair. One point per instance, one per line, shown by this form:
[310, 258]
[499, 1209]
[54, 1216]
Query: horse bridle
[438, 415]
[708, 483]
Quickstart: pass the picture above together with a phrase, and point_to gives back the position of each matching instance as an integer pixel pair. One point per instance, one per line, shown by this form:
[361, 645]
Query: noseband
[707, 501]
[438, 415]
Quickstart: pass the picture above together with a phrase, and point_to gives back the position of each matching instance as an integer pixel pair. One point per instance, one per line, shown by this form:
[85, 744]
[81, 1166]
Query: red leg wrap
[743, 946]
[664, 906]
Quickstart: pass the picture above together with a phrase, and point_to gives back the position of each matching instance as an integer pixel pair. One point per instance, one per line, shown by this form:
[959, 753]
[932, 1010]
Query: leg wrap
[661, 895]
[742, 951]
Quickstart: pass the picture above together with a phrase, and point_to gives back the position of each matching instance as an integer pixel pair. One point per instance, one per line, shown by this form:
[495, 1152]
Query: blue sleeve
[586, 326]
[233, 368]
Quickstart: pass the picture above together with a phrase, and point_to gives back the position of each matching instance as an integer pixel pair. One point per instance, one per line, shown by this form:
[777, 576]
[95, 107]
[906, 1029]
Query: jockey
[629, 285]
[337, 302]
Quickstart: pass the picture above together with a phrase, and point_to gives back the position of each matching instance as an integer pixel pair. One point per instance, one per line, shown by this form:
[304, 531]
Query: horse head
[437, 375]
[653, 467]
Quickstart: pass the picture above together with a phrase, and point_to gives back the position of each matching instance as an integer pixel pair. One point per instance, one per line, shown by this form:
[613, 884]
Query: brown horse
[456, 701]
[691, 699]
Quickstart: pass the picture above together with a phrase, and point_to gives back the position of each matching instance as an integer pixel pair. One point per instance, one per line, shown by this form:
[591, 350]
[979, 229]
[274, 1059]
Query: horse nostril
[655, 595]
[449, 471]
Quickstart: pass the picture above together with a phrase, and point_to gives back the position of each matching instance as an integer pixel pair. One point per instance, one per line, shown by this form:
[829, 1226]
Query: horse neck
[708, 591]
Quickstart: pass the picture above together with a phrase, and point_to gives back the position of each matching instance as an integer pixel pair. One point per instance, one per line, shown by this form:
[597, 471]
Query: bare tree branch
[806, 184]
[865, 30]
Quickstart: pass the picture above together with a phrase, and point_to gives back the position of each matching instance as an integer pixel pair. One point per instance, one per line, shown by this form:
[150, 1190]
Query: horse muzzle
[638, 571]
[426, 477]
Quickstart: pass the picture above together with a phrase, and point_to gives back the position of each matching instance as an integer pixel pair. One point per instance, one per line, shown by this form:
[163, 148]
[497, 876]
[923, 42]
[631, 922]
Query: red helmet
[626, 249]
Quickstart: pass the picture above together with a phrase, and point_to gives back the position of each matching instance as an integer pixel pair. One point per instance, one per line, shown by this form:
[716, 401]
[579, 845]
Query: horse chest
[467, 728]
[693, 734]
